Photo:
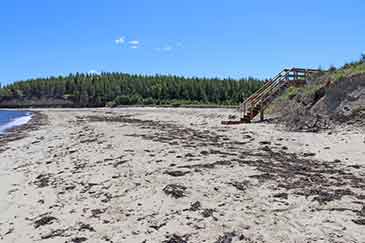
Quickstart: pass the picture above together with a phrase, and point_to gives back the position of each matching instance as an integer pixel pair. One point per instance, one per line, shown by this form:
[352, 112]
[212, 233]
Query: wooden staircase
[262, 98]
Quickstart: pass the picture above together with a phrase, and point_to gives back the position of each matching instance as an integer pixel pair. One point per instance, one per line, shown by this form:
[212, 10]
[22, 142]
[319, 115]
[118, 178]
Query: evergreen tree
[85, 90]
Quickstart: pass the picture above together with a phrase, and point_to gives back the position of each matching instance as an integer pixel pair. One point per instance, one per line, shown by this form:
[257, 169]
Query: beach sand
[178, 175]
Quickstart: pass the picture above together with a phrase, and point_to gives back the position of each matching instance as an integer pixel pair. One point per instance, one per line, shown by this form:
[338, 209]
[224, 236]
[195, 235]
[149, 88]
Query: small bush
[122, 100]
[135, 100]
[332, 69]
[128, 100]
[148, 101]
[176, 105]
[292, 92]
[111, 104]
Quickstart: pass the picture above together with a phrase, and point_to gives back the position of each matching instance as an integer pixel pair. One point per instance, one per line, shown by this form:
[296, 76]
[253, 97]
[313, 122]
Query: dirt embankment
[341, 102]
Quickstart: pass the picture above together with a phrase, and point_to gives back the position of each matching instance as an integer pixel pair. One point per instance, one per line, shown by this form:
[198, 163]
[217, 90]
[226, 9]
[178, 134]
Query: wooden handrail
[258, 91]
[272, 86]
[266, 85]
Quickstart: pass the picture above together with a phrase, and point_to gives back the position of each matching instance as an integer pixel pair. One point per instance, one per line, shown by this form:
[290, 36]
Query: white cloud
[133, 42]
[120, 40]
[94, 72]
[134, 47]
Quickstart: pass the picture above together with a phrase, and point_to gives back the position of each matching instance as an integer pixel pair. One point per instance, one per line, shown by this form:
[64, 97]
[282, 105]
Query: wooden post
[306, 75]
[244, 105]
[261, 111]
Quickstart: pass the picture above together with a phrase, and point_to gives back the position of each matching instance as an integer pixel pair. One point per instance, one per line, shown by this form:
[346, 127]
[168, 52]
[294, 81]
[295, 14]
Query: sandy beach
[178, 175]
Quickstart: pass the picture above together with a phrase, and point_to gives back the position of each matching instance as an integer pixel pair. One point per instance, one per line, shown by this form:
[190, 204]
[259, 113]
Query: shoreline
[15, 122]
[193, 106]
[167, 175]
[21, 131]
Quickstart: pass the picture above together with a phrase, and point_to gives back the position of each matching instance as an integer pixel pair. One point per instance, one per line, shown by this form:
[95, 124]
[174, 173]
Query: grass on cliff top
[347, 70]
[332, 75]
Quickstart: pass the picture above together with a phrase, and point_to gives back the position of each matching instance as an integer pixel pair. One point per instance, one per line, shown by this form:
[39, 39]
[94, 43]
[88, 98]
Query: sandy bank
[177, 175]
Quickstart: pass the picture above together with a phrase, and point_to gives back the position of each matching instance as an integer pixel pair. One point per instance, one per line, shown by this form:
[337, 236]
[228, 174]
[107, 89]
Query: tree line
[112, 89]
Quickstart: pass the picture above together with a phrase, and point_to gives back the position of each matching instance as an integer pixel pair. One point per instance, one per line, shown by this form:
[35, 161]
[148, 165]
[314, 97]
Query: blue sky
[235, 38]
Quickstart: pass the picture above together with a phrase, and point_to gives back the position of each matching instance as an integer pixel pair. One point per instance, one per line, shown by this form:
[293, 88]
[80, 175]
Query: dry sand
[177, 175]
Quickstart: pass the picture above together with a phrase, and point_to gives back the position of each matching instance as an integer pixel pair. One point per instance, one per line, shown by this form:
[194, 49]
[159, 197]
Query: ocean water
[11, 119]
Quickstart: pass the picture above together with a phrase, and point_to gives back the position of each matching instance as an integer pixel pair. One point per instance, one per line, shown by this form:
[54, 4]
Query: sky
[210, 38]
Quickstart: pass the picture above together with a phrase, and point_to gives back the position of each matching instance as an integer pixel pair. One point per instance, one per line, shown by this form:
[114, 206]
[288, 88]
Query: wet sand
[178, 175]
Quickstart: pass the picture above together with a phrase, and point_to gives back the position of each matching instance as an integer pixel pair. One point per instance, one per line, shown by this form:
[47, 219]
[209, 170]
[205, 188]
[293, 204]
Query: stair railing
[264, 93]
[261, 98]
[247, 104]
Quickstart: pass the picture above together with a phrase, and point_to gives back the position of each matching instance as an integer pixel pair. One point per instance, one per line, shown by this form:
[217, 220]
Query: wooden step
[246, 119]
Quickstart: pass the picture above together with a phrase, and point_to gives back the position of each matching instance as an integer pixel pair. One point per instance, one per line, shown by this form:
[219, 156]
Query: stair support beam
[262, 118]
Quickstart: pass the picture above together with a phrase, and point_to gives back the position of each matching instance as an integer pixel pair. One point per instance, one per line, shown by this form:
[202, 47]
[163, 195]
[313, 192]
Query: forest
[114, 89]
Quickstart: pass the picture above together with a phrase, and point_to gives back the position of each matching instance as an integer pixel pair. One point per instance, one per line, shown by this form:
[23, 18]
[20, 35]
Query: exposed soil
[342, 102]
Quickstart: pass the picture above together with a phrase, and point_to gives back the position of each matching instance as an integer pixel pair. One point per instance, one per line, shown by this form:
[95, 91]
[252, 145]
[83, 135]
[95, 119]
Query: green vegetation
[290, 93]
[113, 89]
[331, 75]
[347, 70]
